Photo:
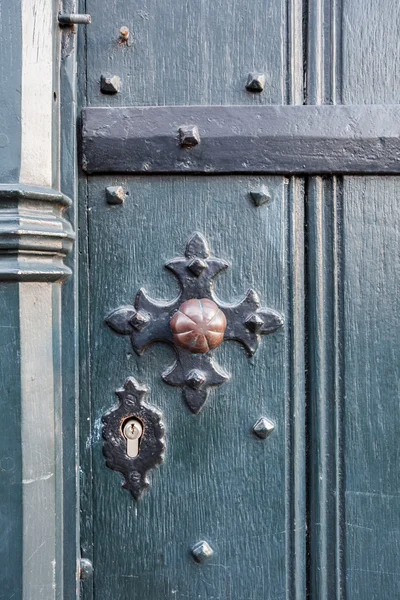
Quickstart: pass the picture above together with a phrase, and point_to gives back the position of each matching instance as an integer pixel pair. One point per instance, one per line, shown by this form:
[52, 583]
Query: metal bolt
[195, 379]
[202, 552]
[115, 194]
[110, 84]
[197, 266]
[255, 82]
[139, 320]
[263, 428]
[124, 33]
[85, 568]
[261, 196]
[189, 136]
[254, 323]
[73, 19]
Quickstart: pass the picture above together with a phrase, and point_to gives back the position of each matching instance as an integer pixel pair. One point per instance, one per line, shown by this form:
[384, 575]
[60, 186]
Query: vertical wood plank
[11, 523]
[216, 482]
[325, 394]
[371, 380]
[371, 52]
[325, 578]
[10, 91]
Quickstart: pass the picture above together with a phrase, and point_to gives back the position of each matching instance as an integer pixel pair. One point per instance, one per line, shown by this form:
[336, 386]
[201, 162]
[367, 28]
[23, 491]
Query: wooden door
[197, 143]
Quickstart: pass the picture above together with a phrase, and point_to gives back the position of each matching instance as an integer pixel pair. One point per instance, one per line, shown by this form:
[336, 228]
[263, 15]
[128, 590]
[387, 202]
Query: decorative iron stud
[189, 136]
[263, 428]
[202, 551]
[115, 194]
[260, 197]
[110, 84]
[255, 82]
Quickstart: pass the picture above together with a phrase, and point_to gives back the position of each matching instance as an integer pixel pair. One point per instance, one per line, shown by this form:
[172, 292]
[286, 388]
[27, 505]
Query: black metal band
[295, 140]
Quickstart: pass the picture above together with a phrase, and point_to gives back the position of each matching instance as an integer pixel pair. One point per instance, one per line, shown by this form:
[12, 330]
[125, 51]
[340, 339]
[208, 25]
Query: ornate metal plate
[152, 443]
[195, 323]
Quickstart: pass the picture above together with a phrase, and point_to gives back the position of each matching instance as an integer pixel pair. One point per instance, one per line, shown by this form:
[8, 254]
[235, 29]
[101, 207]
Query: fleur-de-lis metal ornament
[195, 323]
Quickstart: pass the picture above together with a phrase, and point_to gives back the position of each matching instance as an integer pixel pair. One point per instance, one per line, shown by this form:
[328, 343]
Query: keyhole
[132, 430]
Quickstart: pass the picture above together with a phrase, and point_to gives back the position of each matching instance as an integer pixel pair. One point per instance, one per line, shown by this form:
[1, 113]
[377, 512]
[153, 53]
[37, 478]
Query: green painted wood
[11, 524]
[66, 105]
[191, 53]
[346, 459]
[10, 92]
[218, 481]
[371, 305]
[371, 226]
[325, 456]
[37, 328]
[325, 390]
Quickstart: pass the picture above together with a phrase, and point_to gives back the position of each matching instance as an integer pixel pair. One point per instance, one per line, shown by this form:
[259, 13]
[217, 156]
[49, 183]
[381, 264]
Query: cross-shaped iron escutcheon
[195, 323]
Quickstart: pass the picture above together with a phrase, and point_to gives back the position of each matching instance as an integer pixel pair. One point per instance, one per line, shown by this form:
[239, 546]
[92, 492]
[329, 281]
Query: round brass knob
[198, 326]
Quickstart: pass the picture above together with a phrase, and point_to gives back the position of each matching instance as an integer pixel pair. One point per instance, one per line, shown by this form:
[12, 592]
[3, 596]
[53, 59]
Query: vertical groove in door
[295, 407]
[323, 72]
[85, 402]
[324, 387]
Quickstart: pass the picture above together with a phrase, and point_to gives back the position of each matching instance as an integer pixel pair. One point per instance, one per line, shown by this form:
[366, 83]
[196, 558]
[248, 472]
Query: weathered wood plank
[371, 53]
[371, 227]
[191, 53]
[217, 481]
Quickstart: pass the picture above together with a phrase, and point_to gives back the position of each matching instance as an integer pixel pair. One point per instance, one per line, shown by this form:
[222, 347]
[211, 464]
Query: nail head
[255, 82]
[263, 428]
[189, 136]
[110, 84]
[115, 194]
[202, 551]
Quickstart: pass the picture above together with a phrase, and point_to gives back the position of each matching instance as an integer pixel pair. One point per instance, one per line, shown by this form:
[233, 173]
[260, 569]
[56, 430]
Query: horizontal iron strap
[243, 139]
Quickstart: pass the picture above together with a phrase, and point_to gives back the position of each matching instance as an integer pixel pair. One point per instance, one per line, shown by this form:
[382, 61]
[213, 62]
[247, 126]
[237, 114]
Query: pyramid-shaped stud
[110, 84]
[202, 551]
[189, 136]
[139, 320]
[263, 428]
[255, 82]
[195, 379]
[115, 194]
[254, 323]
[197, 266]
[260, 197]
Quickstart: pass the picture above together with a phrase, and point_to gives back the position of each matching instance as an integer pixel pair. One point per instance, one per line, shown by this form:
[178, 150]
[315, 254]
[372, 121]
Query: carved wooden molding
[35, 236]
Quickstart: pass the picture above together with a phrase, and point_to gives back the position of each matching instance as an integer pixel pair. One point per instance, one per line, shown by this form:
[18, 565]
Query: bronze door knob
[198, 326]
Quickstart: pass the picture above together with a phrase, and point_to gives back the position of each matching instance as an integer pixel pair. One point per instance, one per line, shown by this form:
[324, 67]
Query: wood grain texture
[324, 389]
[371, 307]
[10, 91]
[11, 523]
[371, 225]
[325, 495]
[65, 156]
[218, 482]
[371, 51]
[190, 53]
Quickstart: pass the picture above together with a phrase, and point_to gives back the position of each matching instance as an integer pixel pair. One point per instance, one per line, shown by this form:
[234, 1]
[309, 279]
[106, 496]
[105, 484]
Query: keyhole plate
[133, 436]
